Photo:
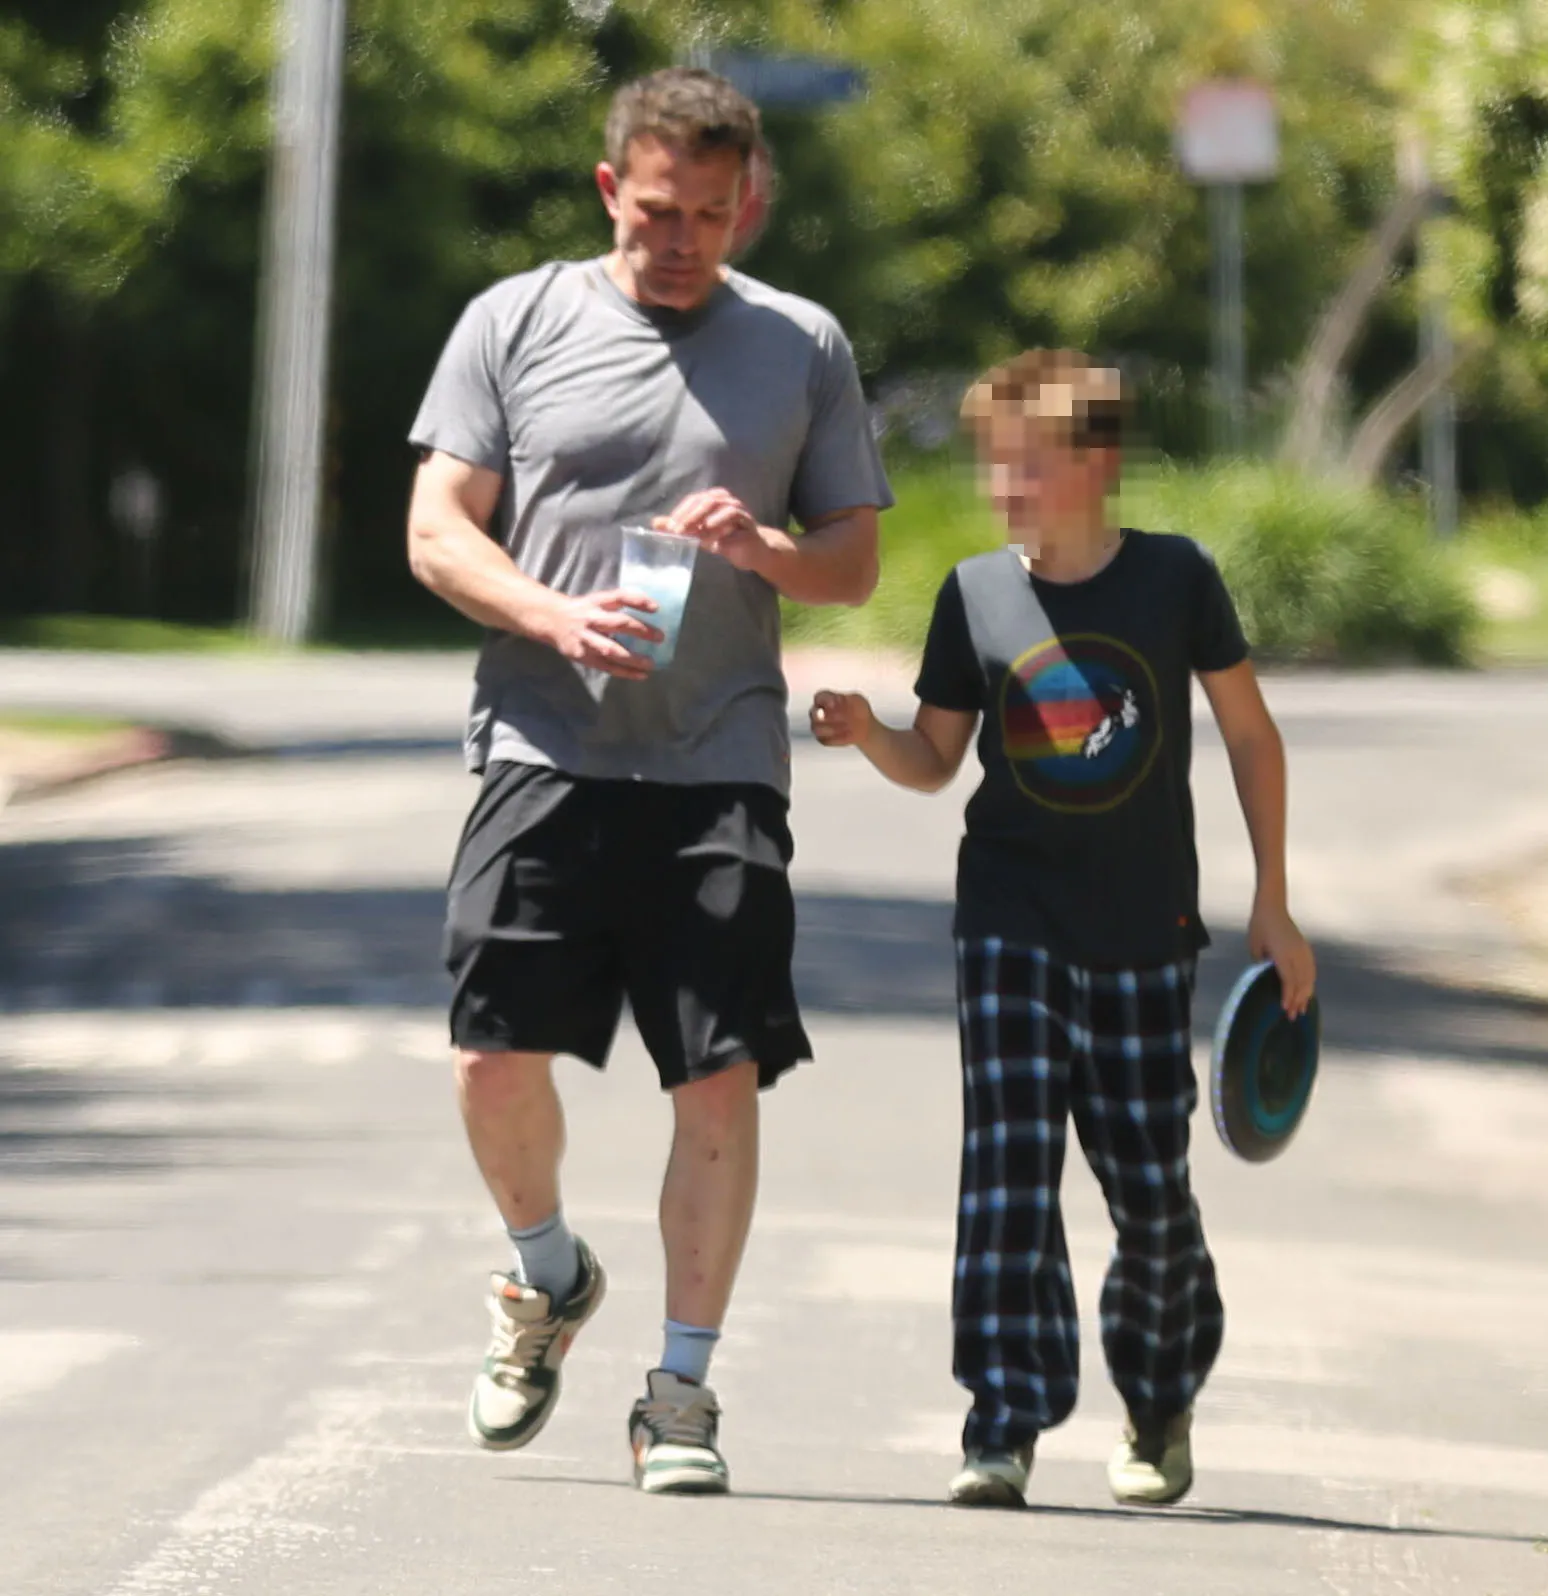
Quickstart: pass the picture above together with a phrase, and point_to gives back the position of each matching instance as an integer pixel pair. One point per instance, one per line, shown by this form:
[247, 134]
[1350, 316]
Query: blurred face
[1039, 482]
[674, 219]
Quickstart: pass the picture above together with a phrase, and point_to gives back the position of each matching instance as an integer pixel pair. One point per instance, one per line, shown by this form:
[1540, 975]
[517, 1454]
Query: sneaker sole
[497, 1443]
[681, 1482]
[988, 1493]
[1152, 1499]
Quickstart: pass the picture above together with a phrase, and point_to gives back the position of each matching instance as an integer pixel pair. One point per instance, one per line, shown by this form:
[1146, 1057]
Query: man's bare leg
[706, 1209]
[515, 1127]
[708, 1194]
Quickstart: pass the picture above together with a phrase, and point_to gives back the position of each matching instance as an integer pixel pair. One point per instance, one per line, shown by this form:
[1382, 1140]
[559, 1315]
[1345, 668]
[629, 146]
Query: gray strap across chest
[999, 604]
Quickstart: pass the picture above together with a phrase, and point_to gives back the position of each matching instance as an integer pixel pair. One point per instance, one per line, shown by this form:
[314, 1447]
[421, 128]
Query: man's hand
[586, 629]
[723, 524]
[1272, 934]
[841, 720]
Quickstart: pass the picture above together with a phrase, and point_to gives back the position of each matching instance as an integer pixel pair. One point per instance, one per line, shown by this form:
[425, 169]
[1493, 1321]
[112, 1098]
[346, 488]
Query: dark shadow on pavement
[1225, 1516]
[892, 957]
[114, 923]
[86, 1128]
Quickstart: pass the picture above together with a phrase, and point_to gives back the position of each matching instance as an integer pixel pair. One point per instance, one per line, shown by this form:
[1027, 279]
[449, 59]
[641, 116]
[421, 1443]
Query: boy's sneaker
[992, 1479]
[672, 1431]
[519, 1383]
[1154, 1462]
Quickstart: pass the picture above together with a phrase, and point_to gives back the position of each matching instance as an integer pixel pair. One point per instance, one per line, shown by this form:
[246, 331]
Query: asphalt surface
[242, 1245]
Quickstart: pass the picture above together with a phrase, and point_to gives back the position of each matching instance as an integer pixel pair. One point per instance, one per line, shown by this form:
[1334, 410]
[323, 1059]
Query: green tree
[1007, 179]
[471, 127]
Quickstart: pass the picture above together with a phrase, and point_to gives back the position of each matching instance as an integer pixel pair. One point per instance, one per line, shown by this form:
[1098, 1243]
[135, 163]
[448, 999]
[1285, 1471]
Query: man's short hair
[1082, 400]
[688, 109]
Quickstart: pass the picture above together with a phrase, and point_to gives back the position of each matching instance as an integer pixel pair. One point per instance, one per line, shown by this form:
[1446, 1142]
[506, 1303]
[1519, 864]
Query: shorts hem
[770, 1067]
[596, 1058]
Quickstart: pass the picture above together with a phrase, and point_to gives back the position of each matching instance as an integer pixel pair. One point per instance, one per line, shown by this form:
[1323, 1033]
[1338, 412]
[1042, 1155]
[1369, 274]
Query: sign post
[1228, 136]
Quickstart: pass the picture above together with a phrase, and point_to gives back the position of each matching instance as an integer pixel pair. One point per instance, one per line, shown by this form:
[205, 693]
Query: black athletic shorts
[570, 894]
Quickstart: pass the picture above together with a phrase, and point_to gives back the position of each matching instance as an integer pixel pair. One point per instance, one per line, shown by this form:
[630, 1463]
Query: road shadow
[1224, 1517]
[114, 923]
[893, 957]
[80, 1131]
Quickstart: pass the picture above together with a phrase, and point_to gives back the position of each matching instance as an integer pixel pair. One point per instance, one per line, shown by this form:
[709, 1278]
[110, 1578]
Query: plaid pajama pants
[1044, 1041]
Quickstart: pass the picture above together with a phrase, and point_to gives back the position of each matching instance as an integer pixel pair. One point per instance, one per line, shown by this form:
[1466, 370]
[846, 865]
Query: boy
[1077, 925]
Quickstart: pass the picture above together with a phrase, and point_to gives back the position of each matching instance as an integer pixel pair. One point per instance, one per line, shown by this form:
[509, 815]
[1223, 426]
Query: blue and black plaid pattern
[1044, 1041]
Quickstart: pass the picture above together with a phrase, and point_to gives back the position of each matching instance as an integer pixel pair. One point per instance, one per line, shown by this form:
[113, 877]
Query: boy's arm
[924, 757]
[1257, 756]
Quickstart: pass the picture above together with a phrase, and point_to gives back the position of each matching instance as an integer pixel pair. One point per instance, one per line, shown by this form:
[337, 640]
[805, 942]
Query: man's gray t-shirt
[600, 412]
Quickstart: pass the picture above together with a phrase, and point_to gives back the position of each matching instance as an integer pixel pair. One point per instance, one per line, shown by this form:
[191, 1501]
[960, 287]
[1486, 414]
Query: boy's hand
[841, 720]
[1272, 934]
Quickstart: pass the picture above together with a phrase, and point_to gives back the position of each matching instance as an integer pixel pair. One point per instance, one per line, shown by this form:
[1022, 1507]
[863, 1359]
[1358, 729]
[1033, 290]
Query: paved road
[241, 1243]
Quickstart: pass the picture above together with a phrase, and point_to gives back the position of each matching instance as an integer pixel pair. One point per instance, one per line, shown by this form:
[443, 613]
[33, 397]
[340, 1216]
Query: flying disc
[1263, 1066]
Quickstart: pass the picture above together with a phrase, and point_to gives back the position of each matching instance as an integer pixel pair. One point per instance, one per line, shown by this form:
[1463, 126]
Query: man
[630, 836]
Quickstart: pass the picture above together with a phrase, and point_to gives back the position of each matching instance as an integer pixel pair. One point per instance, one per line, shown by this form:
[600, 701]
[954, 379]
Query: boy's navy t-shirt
[1080, 837]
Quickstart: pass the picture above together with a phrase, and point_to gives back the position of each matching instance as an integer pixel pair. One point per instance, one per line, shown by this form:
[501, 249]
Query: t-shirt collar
[670, 323]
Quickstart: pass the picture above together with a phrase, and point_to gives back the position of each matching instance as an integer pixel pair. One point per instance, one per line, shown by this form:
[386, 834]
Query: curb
[135, 748]
[886, 677]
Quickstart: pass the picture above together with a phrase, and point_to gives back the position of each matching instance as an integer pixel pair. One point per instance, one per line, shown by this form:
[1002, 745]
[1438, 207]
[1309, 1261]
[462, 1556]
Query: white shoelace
[691, 1424]
[518, 1347]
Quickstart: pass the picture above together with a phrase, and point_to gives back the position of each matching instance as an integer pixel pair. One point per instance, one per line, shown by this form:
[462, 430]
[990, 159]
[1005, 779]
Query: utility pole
[295, 302]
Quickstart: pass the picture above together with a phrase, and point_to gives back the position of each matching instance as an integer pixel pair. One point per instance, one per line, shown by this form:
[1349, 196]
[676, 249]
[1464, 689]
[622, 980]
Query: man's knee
[718, 1105]
[489, 1078]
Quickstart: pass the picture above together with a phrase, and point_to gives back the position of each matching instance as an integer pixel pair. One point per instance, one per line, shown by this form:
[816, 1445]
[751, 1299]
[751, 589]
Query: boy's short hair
[686, 108]
[1058, 385]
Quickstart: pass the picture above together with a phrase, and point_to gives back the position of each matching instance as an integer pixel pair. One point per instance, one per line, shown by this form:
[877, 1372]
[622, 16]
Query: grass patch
[1505, 557]
[430, 630]
[57, 728]
[121, 634]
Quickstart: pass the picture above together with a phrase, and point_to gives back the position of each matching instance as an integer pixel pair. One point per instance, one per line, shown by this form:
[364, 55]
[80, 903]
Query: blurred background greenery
[1008, 179]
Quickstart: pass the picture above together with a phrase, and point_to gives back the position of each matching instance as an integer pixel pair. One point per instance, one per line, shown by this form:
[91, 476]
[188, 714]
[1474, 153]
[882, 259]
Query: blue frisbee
[1263, 1066]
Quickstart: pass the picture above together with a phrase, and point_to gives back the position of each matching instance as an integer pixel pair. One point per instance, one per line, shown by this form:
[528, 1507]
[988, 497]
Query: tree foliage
[1008, 178]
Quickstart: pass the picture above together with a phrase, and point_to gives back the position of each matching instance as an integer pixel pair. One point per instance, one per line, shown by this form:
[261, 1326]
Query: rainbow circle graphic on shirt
[1081, 723]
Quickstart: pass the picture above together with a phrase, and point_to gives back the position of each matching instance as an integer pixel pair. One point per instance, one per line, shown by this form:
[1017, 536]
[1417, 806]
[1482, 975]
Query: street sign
[1228, 132]
[784, 82]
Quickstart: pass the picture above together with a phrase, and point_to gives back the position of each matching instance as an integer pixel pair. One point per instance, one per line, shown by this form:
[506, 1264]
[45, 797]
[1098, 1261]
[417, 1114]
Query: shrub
[1320, 571]
[937, 521]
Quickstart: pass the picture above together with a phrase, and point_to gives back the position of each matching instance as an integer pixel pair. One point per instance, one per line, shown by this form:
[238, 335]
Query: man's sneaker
[992, 1479]
[672, 1431]
[519, 1383]
[1154, 1462]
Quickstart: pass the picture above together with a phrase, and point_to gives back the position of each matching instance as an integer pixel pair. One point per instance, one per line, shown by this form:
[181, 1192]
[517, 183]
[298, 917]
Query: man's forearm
[459, 563]
[834, 563]
[1258, 768]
